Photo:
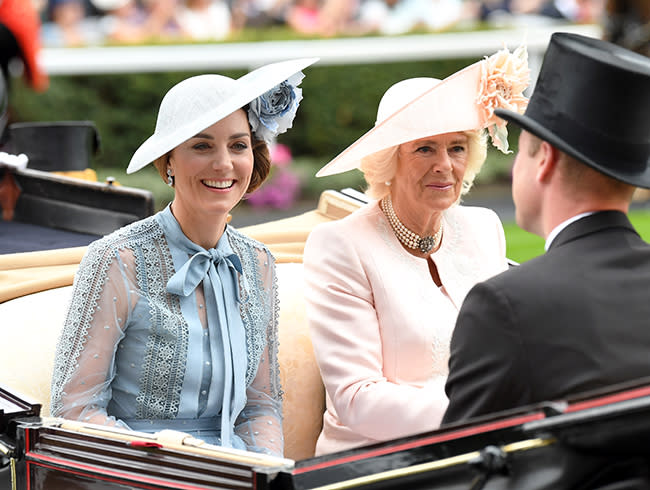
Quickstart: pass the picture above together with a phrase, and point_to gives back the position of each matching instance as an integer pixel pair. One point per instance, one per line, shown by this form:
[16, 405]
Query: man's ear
[547, 161]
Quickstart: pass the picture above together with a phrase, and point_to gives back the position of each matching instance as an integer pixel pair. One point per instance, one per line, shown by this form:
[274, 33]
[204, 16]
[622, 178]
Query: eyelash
[237, 146]
[427, 149]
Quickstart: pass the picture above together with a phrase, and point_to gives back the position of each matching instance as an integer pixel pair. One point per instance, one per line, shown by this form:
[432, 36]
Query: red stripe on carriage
[446, 436]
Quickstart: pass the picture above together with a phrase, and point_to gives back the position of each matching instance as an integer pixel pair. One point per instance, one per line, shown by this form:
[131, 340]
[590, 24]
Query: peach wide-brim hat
[420, 107]
[198, 102]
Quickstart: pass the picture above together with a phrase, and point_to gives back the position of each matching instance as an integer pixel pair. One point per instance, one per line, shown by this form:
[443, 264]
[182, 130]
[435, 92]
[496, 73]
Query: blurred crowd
[88, 22]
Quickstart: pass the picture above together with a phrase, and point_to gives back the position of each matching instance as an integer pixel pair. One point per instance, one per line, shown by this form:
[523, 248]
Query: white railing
[198, 57]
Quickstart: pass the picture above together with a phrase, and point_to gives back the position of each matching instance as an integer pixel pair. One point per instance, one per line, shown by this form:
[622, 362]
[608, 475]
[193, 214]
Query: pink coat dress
[381, 327]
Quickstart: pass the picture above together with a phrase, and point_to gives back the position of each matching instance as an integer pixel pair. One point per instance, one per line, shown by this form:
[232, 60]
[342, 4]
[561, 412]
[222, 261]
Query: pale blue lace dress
[163, 334]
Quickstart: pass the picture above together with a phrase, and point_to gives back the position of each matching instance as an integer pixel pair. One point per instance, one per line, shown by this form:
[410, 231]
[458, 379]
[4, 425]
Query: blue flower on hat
[272, 113]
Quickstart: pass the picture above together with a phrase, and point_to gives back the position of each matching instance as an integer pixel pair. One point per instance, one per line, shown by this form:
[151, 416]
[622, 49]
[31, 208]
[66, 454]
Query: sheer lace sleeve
[260, 423]
[84, 364]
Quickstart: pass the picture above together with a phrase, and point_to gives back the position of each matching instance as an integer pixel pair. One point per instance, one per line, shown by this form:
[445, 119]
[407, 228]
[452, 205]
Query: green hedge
[339, 105]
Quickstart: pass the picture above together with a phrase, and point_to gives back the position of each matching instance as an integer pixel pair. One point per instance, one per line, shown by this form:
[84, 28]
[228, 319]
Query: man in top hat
[577, 318]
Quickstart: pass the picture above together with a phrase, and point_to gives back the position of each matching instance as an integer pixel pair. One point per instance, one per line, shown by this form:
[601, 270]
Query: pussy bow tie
[188, 277]
[218, 268]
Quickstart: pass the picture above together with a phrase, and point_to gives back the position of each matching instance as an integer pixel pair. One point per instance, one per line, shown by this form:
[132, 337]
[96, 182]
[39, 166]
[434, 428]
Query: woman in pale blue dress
[173, 319]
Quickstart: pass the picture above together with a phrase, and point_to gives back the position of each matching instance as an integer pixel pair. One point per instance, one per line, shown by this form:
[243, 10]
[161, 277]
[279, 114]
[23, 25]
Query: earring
[387, 183]
[170, 177]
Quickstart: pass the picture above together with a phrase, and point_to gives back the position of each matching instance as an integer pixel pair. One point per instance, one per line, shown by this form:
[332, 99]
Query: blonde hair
[380, 167]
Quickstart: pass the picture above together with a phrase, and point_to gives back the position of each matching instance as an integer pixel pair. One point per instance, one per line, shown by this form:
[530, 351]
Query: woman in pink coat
[384, 285]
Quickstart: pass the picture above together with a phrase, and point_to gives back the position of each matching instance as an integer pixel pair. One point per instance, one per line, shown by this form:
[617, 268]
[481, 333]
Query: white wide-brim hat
[420, 107]
[199, 102]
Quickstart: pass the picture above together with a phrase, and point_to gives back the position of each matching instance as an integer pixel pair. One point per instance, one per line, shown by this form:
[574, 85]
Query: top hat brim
[635, 176]
[591, 101]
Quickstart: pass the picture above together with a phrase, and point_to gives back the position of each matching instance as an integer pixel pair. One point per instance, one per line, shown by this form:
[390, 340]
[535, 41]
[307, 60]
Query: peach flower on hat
[464, 101]
[504, 77]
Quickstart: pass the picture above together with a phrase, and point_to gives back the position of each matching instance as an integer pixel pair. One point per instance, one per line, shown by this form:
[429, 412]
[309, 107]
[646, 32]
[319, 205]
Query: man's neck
[561, 210]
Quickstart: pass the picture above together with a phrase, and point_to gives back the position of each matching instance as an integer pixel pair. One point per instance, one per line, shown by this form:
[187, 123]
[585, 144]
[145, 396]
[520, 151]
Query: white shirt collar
[556, 231]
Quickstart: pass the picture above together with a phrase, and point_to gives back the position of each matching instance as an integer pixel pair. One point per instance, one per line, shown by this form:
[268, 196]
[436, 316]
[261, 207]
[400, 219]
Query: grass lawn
[522, 245]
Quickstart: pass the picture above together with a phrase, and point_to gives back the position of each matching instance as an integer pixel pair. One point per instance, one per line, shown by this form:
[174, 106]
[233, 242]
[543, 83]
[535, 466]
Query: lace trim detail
[276, 388]
[167, 345]
[88, 284]
[259, 308]
[90, 280]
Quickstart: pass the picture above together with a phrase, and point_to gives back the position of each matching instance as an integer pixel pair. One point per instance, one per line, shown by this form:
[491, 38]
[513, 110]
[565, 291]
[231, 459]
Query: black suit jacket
[572, 320]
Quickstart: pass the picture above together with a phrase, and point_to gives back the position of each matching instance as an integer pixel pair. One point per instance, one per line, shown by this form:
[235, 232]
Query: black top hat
[592, 101]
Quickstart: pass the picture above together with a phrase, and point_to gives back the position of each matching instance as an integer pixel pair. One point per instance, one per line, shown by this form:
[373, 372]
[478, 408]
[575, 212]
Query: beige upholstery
[304, 393]
[31, 325]
[30, 329]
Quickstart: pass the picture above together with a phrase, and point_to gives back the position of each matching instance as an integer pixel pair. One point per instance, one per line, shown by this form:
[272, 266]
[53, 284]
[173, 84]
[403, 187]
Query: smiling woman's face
[212, 170]
[430, 171]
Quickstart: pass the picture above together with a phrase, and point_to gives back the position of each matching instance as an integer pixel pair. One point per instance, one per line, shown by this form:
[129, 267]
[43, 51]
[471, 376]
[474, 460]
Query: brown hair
[582, 179]
[261, 164]
[534, 144]
[579, 177]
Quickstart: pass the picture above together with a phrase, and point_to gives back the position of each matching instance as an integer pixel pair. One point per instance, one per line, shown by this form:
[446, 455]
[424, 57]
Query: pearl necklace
[404, 235]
